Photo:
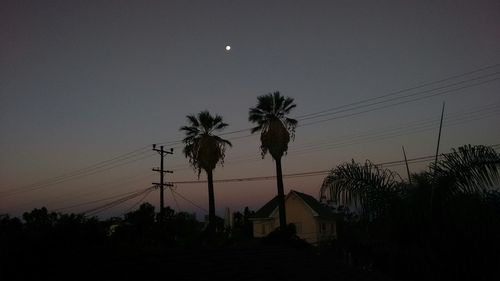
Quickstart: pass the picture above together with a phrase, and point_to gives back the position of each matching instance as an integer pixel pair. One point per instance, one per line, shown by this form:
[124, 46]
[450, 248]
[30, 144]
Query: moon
[228, 48]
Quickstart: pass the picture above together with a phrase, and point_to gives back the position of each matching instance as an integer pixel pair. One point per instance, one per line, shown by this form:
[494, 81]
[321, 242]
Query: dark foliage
[411, 237]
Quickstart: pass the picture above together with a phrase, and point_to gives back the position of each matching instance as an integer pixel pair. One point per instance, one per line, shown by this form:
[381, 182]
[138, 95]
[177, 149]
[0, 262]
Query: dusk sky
[83, 82]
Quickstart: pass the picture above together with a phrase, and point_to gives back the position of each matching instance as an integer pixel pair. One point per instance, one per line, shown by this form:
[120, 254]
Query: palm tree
[467, 170]
[396, 214]
[204, 150]
[276, 130]
[363, 185]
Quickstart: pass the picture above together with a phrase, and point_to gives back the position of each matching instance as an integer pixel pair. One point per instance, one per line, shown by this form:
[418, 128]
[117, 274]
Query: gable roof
[267, 209]
[320, 209]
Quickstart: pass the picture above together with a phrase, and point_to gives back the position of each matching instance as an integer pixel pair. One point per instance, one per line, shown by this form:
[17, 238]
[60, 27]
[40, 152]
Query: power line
[175, 199]
[105, 187]
[336, 109]
[403, 90]
[303, 174]
[139, 201]
[130, 195]
[101, 200]
[112, 204]
[24, 189]
[356, 139]
[345, 108]
[394, 104]
[98, 166]
[189, 201]
[401, 130]
[480, 109]
[92, 167]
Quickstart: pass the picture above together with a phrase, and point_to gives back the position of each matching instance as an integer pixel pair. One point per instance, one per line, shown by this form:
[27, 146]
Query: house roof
[267, 209]
[320, 209]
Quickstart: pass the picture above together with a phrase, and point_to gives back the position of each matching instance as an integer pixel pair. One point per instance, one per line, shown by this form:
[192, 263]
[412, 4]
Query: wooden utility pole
[162, 183]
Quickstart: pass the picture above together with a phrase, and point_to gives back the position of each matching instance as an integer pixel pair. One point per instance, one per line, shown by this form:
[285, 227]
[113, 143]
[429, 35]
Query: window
[322, 227]
[298, 227]
[263, 228]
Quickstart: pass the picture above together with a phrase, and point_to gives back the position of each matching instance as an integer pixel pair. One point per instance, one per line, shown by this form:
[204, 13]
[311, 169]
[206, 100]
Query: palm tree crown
[276, 128]
[204, 149]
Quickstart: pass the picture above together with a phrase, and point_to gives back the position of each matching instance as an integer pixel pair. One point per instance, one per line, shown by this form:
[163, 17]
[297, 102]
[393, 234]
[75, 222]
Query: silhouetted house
[313, 221]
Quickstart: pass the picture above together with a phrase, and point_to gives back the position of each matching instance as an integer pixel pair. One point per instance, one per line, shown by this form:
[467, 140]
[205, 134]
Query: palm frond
[276, 128]
[193, 120]
[255, 129]
[473, 169]
[202, 148]
[362, 185]
[288, 105]
[223, 141]
[219, 126]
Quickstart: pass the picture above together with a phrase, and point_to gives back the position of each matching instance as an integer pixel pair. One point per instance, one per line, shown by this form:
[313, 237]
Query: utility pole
[162, 172]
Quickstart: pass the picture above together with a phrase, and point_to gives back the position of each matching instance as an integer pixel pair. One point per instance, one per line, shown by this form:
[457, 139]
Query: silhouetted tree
[363, 185]
[242, 225]
[40, 218]
[204, 150]
[143, 216]
[404, 236]
[276, 130]
[470, 169]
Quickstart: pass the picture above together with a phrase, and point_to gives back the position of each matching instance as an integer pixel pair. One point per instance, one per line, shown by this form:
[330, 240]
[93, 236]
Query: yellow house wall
[301, 215]
[307, 225]
[262, 228]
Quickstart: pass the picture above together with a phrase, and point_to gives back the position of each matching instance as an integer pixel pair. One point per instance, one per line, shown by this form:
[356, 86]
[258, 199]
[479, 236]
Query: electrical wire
[189, 201]
[107, 164]
[21, 190]
[414, 127]
[99, 209]
[130, 195]
[139, 201]
[92, 167]
[342, 108]
[303, 174]
[175, 199]
[100, 200]
[394, 104]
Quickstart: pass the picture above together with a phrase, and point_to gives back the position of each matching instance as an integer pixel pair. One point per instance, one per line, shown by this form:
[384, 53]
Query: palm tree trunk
[281, 194]
[211, 202]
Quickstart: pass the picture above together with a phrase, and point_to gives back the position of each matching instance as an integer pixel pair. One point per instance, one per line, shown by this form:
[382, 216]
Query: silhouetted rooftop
[315, 205]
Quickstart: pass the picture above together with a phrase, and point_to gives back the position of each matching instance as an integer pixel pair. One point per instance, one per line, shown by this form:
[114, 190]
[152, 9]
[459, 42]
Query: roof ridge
[309, 200]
